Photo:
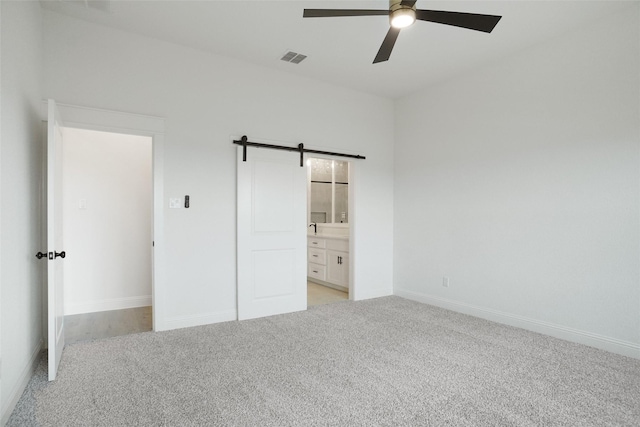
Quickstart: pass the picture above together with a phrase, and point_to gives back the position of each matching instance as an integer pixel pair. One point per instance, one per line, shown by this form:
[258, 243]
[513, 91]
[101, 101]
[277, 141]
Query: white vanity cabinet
[316, 259]
[338, 268]
[328, 262]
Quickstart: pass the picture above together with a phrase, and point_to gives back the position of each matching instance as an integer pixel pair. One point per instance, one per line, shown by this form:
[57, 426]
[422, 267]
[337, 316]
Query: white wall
[107, 220]
[520, 182]
[20, 204]
[206, 99]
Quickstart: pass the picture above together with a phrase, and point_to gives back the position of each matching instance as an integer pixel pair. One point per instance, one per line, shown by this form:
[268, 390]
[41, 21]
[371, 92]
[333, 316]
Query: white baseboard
[23, 380]
[372, 293]
[614, 345]
[197, 320]
[107, 305]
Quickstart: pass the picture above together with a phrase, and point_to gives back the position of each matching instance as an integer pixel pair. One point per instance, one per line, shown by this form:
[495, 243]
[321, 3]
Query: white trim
[373, 293]
[2, 420]
[354, 287]
[158, 278]
[198, 320]
[107, 120]
[21, 384]
[614, 345]
[107, 305]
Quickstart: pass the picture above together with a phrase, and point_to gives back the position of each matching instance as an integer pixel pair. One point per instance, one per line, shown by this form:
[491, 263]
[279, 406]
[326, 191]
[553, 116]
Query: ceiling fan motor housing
[400, 15]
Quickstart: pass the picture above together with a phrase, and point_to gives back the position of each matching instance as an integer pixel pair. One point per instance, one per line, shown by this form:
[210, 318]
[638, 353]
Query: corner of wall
[17, 390]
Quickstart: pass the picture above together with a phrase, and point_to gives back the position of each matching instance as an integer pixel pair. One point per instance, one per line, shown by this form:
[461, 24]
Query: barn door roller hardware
[300, 148]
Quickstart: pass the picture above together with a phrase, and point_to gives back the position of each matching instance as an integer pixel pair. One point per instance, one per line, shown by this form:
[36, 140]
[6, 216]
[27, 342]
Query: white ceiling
[341, 50]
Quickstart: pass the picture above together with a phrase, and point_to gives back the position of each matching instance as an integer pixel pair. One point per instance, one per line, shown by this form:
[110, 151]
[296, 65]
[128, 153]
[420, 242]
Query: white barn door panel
[271, 233]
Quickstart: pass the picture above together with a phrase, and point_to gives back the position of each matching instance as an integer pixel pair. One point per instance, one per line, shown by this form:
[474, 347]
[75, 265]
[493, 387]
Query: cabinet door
[338, 268]
[344, 269]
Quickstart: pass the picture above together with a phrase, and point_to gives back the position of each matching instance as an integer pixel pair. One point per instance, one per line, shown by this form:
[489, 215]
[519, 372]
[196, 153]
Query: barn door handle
[40, 255]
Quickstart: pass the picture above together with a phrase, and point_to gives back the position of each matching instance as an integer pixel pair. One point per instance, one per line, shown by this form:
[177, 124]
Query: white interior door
[54, 240]
[271, 234]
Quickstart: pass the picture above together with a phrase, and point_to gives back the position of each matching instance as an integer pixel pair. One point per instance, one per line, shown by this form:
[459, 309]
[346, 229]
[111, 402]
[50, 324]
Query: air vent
[298, 58]
[293, 57]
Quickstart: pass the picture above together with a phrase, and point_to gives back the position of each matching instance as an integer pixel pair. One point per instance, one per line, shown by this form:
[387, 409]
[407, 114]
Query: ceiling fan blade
[408, 3]
[329, 13]
[387, 45]
[472, 21]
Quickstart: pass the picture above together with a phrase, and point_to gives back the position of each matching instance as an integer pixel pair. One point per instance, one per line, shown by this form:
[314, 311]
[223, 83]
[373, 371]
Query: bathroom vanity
[328, 261]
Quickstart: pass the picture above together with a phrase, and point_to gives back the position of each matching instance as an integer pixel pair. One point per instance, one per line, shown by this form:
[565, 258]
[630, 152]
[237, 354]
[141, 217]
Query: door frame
[132, 124]
[352, 211]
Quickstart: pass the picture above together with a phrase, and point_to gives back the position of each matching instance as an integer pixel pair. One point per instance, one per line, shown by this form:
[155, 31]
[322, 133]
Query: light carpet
[382, 362]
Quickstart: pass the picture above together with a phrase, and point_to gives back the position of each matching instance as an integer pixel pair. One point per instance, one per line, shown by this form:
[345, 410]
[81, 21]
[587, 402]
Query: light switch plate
[174, 203]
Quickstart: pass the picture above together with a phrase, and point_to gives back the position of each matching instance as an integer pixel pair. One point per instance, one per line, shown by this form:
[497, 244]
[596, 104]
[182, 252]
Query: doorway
[328, 234]
[52, 221]
[107, 221]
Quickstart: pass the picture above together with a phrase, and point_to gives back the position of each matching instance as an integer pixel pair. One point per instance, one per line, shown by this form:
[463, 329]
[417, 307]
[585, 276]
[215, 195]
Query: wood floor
[106, 324]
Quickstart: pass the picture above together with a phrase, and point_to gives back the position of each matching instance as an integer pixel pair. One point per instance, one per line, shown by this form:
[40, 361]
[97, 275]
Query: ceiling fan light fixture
[402, 18]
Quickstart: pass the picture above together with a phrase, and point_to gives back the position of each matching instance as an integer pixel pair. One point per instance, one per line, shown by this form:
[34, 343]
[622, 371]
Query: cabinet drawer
[316, 271]
[317, 256]
[317, 243]
[338, 245]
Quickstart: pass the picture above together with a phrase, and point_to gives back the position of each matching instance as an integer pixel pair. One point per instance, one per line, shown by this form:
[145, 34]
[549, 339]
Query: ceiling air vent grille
[293, 57]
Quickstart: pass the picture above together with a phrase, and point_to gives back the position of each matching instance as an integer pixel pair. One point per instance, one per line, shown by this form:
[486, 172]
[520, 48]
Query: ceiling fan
[403, 13]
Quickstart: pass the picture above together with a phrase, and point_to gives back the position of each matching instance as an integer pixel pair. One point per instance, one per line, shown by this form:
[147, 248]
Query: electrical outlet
[445, 281]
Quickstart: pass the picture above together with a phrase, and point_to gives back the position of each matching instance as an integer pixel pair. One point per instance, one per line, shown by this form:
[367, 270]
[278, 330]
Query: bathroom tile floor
[106, 324]
[318, 295]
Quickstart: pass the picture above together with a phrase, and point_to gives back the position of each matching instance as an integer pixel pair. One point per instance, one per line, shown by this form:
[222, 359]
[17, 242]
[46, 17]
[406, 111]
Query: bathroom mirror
[328, 191]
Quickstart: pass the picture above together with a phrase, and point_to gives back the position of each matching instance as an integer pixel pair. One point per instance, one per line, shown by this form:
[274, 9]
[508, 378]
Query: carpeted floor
[387, 361]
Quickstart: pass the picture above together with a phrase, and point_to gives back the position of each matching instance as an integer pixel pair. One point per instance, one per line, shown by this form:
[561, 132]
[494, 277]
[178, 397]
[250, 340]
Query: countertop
[328, 236]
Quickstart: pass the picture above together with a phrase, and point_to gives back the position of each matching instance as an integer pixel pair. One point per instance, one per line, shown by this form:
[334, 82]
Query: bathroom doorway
[328, 234]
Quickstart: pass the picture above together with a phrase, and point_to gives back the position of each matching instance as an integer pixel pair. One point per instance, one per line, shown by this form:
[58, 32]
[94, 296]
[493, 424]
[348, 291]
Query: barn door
[271, 233]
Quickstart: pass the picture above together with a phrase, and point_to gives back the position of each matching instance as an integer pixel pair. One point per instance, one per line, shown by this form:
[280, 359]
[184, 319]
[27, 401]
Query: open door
[272, 234]
[54, 240]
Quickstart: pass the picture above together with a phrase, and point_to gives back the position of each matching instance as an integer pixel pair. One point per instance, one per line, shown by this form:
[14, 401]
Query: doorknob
[52, 255]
